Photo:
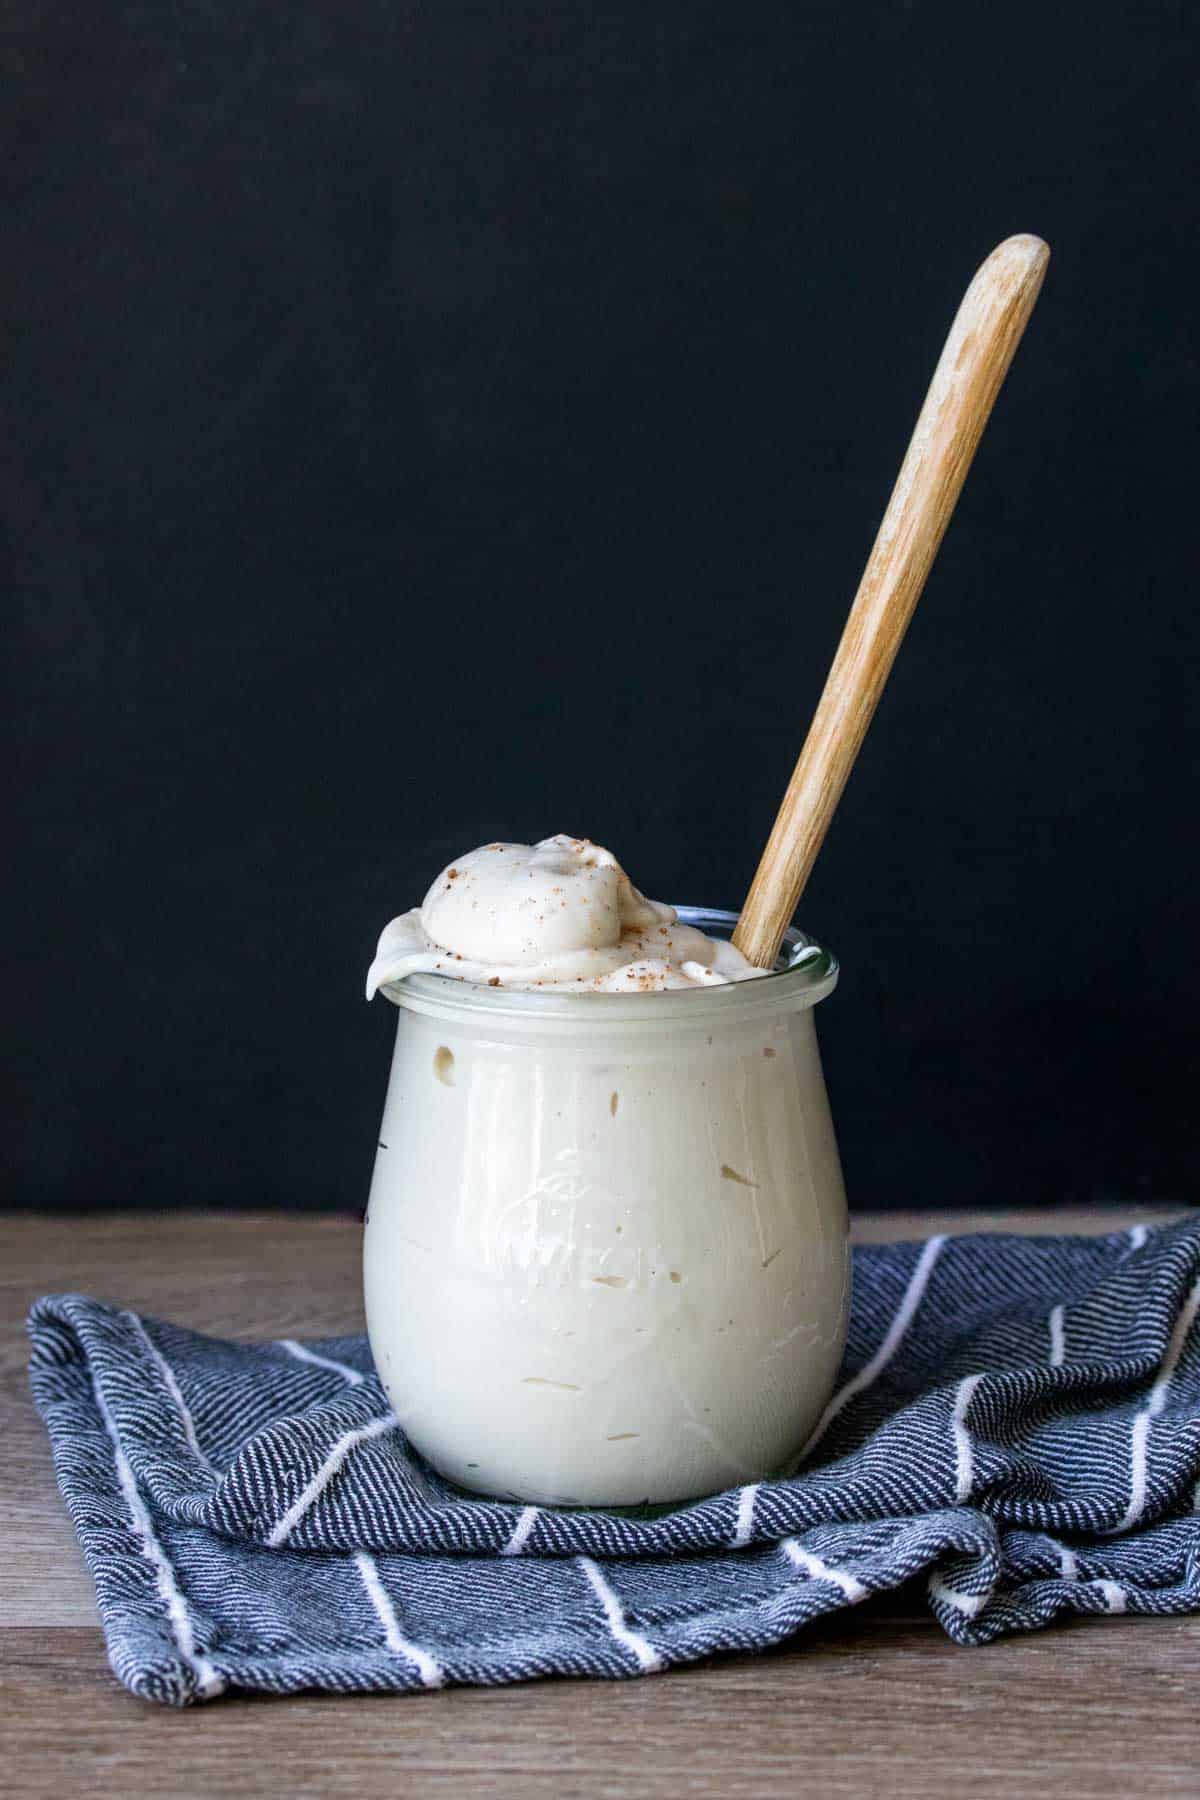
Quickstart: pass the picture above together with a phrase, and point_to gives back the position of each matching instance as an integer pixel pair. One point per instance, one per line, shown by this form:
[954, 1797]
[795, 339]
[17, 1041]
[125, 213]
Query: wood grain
[865, 1702]
[968, 377]
[856, 1709]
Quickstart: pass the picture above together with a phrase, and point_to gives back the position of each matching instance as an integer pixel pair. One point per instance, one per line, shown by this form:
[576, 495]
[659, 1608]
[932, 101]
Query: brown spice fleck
[493, 981]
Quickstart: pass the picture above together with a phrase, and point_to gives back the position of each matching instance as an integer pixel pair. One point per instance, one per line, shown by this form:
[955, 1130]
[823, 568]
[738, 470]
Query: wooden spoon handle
[973, 364]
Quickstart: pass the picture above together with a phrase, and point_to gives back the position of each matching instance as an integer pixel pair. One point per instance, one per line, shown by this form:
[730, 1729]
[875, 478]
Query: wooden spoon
[973, 364]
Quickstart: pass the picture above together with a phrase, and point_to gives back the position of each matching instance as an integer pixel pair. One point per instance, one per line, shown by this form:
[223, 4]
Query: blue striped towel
[1018, 1424]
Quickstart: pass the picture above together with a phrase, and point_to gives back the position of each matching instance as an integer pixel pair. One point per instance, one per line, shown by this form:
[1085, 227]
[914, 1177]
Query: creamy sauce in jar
[605, 1257]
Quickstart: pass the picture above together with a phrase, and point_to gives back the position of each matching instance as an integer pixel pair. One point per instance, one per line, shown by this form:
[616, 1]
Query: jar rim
[807, 972]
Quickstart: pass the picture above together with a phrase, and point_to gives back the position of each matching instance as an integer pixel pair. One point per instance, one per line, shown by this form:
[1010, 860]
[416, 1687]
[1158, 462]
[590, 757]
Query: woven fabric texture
[1018, 1424]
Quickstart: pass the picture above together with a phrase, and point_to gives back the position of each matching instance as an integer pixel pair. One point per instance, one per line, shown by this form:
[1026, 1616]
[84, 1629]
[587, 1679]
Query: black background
[420, 424]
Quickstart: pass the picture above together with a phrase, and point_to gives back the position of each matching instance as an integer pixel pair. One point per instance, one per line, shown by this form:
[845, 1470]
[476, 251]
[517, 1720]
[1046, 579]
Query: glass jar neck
[806, 973]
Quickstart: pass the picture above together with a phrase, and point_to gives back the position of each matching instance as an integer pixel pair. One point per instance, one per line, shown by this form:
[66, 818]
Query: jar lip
[806, 974]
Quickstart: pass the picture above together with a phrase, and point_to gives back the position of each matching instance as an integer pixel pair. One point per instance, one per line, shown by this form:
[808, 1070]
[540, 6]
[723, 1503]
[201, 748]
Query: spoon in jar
[974, 361]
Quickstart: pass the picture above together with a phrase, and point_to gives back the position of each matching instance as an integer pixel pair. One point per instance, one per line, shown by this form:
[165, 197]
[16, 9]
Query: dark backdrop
[423, 423]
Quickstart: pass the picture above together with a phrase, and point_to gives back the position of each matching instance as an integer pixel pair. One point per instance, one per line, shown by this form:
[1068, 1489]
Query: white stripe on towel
[913, 1293]
[648, 1659]
[745, 1515]
[521, 1531]
[325, 1474]
[1140, 1436]
[819, 1570]
[168, 1374]
[1058, 1341]
[430, 1671]
[964, 1462]
[1115, 1597]
[967, 1604]
[208, 1682]
[352, 1376]
[1068, 1563]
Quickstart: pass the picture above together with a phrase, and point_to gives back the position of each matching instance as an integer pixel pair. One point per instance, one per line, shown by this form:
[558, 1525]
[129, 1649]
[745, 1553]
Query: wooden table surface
[872, 1701]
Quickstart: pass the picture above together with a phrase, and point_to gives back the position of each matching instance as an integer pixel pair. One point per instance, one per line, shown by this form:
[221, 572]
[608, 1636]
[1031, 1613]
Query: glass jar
[605, 1256]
